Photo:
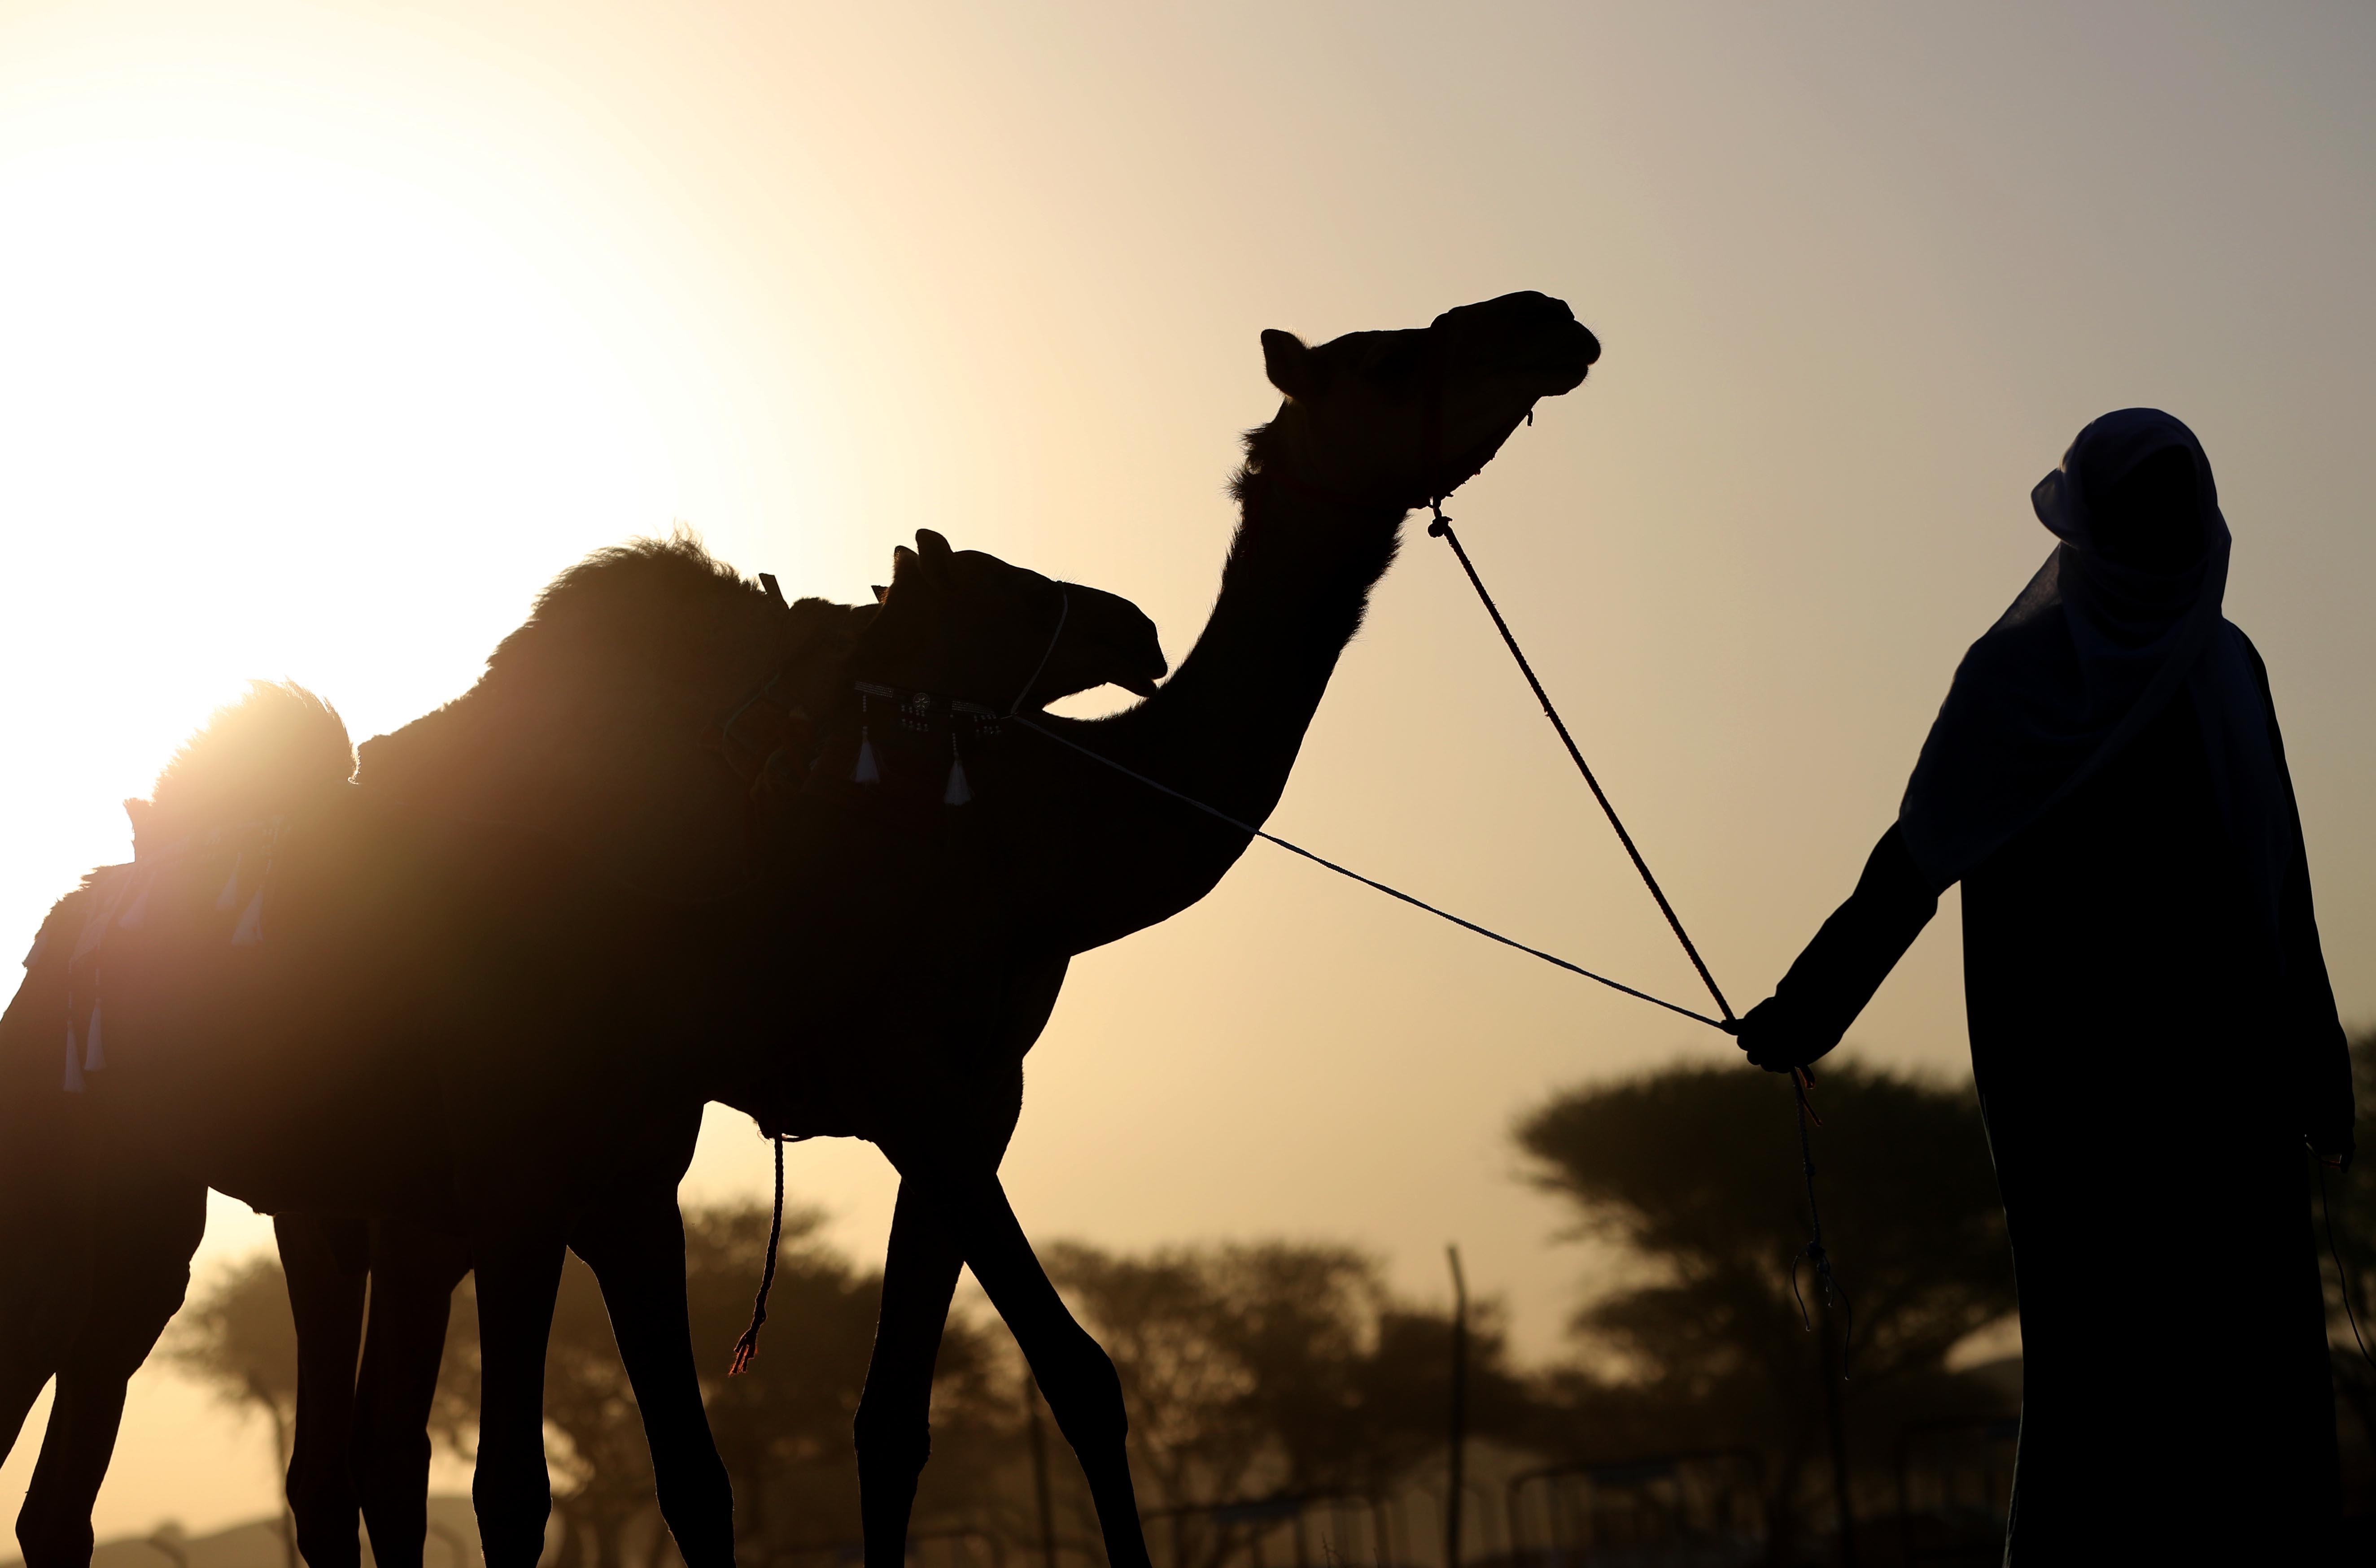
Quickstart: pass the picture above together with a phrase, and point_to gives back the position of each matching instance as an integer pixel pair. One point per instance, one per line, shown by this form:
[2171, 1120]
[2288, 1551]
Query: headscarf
[2089, 654]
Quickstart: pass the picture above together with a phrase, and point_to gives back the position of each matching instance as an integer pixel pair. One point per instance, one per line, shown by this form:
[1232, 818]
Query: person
[2154, 1037]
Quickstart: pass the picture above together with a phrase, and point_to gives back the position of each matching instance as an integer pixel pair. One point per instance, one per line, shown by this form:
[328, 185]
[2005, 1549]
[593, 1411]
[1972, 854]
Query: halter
[1063, 613]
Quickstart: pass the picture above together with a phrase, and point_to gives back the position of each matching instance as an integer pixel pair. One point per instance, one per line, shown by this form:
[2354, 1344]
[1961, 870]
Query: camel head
[1401, 418]
[960, 624]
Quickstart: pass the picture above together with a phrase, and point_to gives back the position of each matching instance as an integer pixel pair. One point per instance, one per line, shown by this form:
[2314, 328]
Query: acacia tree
[782, 1428]
[1277, 1368]
[1695, 1171]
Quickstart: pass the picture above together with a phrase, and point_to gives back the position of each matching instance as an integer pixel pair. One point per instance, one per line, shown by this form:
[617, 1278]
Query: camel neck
[1224, 729]
[1293, 593]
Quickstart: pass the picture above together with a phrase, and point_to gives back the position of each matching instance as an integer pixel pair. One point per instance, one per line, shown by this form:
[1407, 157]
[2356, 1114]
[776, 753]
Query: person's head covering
[2121, 617]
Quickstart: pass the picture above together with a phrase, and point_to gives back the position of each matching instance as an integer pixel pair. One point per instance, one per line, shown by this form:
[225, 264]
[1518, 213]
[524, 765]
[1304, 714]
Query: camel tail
[261, 756]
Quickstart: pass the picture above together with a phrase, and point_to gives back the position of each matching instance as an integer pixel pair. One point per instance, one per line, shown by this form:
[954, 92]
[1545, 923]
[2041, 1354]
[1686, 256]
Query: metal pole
[1454, 1491]
[1040, 1472]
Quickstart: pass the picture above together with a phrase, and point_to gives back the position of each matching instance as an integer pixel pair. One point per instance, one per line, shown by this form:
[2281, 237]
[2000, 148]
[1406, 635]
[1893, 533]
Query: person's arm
[1845, 964]
[2311, 1024]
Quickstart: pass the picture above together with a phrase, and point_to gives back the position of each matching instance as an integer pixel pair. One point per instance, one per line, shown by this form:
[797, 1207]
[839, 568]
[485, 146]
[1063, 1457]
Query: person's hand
[1775, 1039]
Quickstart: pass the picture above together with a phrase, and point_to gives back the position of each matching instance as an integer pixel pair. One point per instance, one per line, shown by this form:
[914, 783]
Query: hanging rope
[1814, 1251]
[2342, 1275]
[747, 1349]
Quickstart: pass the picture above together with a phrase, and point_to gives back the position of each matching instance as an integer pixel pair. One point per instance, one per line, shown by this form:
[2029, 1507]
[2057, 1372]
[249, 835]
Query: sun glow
[265, 414]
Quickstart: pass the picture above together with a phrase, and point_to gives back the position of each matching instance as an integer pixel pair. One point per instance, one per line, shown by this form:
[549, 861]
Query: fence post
[1454, 1493]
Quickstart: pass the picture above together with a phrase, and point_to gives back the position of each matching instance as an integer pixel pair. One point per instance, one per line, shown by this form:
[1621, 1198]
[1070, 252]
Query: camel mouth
[1524, 335]
[1565, 357]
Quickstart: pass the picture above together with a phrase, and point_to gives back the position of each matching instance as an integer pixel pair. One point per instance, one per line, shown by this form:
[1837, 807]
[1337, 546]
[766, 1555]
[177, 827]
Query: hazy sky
[327, 332]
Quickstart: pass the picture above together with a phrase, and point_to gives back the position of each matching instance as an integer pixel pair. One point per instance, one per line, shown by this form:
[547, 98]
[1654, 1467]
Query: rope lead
[1442, 528]
[1802, 1080]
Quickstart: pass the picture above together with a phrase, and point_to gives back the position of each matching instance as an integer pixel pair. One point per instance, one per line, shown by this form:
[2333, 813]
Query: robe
[2151, 1058]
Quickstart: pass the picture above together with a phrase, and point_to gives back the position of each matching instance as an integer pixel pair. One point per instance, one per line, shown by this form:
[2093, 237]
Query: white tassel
[136, 917]
[866, 772]
[228, 899]
[959, 791]
[74, 1064]
[94, 1057]
[250, 924]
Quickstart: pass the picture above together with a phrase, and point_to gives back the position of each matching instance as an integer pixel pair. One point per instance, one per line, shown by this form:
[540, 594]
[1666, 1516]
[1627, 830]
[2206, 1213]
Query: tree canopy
[1694, 1171]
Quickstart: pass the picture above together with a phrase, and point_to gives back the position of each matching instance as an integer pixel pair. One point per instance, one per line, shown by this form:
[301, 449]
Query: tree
[1695, 1170]
[784, 1426]
[241, 1337]
[1277, 1368]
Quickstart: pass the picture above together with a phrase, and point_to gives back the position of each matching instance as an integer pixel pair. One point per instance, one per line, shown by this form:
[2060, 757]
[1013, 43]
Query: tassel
[866, 772]
[250, 924]
[958, 791]
[136, 917]
[94, 1059]
[228, 899]
[74, 1064]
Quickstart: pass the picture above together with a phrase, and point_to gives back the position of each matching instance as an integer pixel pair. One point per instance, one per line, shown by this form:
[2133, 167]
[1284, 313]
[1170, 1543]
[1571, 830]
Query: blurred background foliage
[1288, 1370]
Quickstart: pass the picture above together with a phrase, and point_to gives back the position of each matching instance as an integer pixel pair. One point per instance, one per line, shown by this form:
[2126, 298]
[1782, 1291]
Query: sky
[329, 331]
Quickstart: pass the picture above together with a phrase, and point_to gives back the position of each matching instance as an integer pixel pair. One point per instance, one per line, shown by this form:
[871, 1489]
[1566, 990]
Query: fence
[1703, 1510]
[1954, 1489]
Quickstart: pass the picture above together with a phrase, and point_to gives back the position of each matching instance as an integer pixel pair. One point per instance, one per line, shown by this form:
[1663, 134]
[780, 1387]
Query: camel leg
[519, 1275]
[638, 1253]
[324, 1262]
[413, 1273]
[40, 1305]
[1083, 1391]
[894, 1425]
[140, 1272]
[53, 1527]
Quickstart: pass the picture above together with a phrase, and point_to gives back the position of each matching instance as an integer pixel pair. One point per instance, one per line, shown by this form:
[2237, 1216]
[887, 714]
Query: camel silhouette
[635, 650]
[889, 994]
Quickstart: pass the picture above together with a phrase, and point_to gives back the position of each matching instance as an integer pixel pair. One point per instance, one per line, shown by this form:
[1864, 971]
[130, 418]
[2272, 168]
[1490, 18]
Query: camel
[664, 639]
[924, 951]
[578, 727]
[1304, 467]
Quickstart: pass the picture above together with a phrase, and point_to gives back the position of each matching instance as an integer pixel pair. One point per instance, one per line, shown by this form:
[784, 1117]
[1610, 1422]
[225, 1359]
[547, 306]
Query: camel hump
[638, 645]
[589, 718]
[266, 755]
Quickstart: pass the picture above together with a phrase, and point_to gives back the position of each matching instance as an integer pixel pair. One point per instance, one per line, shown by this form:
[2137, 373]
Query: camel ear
[934, 549]
[1292, 368]
[881, 593]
